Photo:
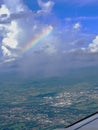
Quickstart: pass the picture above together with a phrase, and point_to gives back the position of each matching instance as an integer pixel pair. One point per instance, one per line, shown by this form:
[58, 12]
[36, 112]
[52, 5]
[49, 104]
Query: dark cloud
[80, 42]
[42, 65]
[14, 16]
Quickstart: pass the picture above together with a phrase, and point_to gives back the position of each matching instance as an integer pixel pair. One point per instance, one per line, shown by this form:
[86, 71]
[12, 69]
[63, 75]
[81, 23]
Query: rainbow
[43, 34]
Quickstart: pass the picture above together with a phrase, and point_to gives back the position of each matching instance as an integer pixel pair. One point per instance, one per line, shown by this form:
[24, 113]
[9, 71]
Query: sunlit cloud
[93, 47]
[4, 12]
[77, 26]
[9, 41]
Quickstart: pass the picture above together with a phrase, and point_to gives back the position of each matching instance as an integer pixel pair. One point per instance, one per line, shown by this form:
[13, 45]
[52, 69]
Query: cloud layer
[67, 46]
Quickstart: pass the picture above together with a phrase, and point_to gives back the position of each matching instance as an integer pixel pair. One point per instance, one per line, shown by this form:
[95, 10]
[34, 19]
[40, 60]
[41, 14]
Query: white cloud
[46, 6]
[10, 39]
[9, 60]
[4, 12]
[14, 5]
[9, 32]
[11, 27]
[77, 26]
[93, 47]
[9, 42]
[5, 51]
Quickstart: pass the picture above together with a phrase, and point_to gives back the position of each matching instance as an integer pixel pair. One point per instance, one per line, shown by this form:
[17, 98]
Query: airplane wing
[90, 123]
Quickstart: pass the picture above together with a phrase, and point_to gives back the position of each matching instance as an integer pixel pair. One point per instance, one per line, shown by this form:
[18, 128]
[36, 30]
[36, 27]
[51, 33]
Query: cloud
[15, 16]
[5, 51]
[49, 48]
[90, 48]
[4, 12]
[14, 6]
[68, 19]
[9, 41]
[93, 47]
[77, 26]
[46, 7]
[15, 25]
[11, 12]
[61, 50]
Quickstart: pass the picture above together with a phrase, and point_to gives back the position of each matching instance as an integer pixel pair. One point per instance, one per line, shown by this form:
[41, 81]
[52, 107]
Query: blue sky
[75, 30]
[75, 10]
[65, 8]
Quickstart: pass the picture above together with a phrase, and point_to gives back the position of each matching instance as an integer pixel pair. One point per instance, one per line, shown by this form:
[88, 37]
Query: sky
[48, 36]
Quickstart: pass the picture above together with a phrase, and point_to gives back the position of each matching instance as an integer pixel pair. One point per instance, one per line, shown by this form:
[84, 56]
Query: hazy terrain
[47, 103]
